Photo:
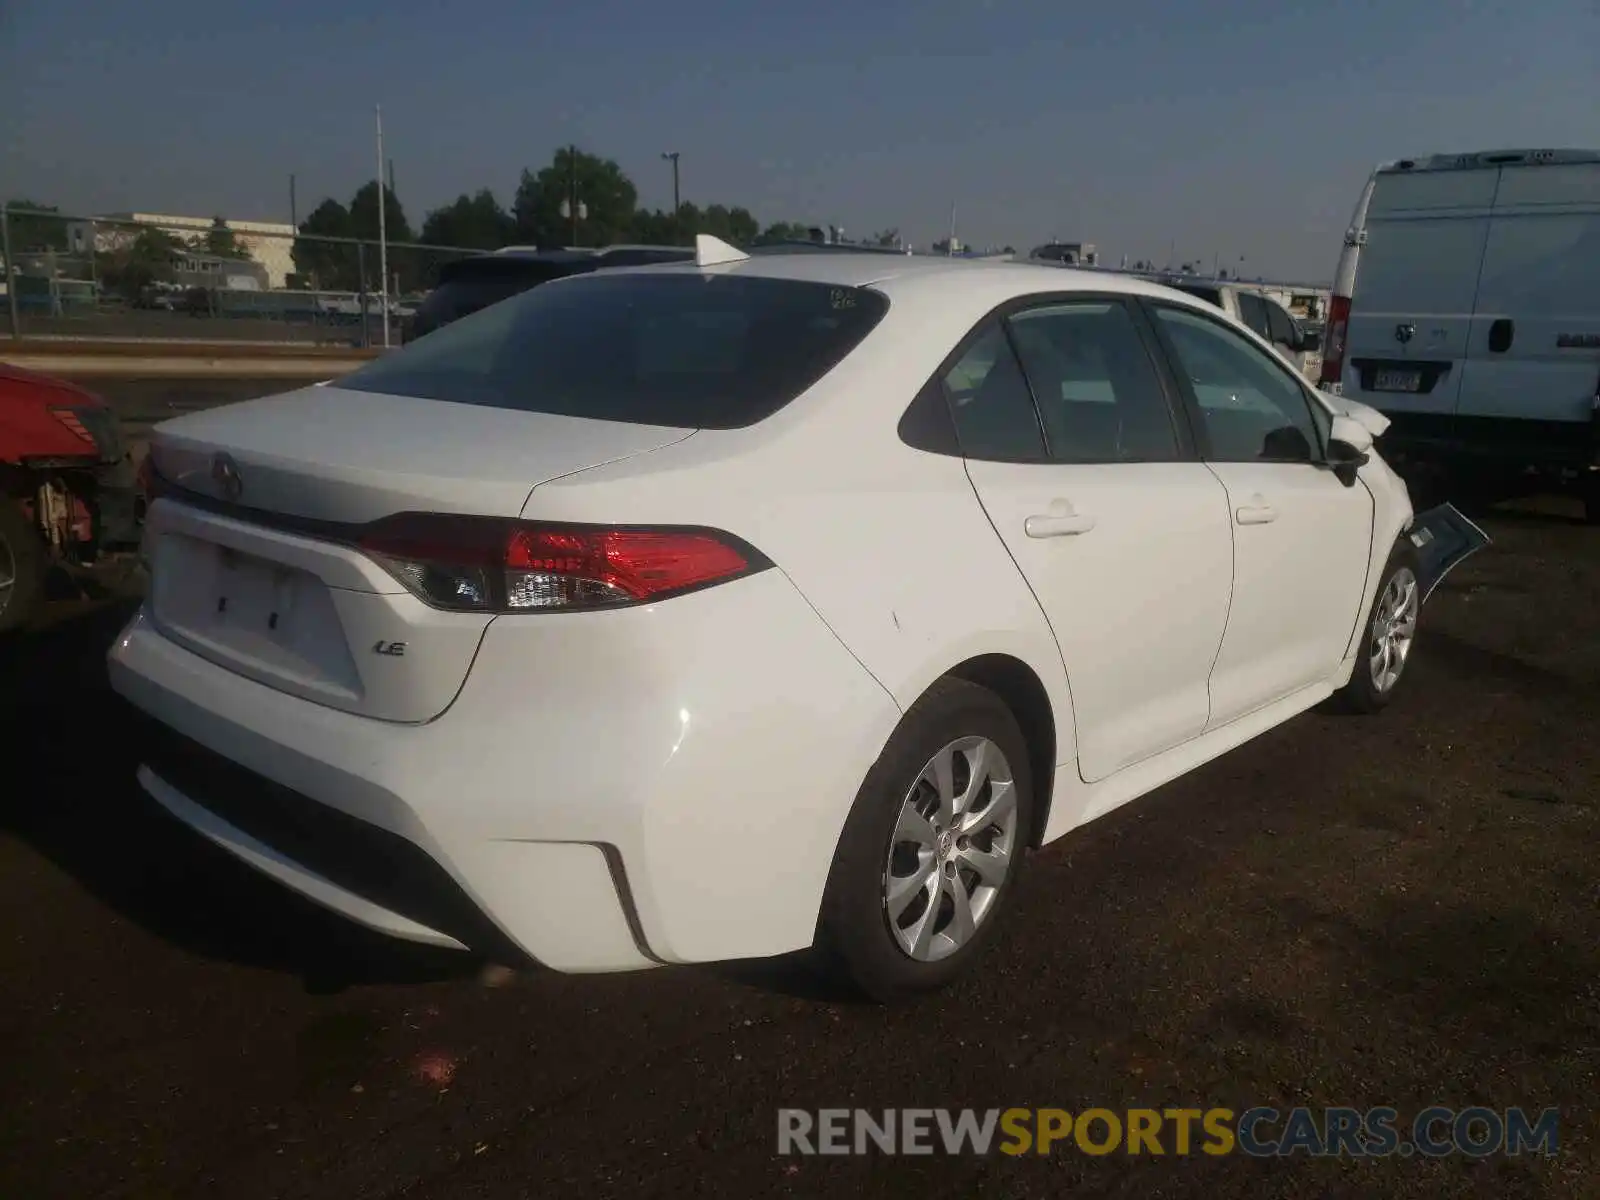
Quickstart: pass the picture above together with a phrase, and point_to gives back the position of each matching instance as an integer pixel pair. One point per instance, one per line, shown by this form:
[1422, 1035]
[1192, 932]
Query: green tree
[785, 231]
[609, 200]
[886, 237]
[139, 262]
[654, 227]
[29, 232]
[326, 264]
[221, 241]
[364, 215]
[397, 231]
[474, 222]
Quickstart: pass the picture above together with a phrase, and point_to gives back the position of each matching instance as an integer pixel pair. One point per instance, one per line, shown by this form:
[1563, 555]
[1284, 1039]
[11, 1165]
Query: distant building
[270, 243]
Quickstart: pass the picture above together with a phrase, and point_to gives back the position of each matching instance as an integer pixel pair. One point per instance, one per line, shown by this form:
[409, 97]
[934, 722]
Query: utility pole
[383, 230]
[293, 217]
[950, 246]
[672, 156]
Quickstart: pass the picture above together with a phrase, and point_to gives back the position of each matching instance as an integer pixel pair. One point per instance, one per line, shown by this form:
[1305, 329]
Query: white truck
[1466, 309]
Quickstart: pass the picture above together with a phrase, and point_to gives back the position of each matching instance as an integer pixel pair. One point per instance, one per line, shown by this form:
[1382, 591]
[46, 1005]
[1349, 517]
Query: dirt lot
[1402, 910]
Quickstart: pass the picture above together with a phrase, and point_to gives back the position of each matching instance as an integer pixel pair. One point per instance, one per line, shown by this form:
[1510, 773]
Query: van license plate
[1398, 381]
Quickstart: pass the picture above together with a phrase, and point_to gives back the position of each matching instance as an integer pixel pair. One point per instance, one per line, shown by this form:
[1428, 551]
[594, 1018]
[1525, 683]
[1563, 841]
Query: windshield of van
[688, 350]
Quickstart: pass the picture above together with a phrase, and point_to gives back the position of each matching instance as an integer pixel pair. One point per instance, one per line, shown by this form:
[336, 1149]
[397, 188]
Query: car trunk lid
[253, 547]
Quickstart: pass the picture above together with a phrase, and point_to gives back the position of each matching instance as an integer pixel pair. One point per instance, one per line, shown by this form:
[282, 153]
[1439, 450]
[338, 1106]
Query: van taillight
[1333, 345]
[485, 564]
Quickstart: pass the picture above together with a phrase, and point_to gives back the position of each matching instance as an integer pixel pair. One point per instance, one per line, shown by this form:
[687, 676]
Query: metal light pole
[383, 230]
[672, 155]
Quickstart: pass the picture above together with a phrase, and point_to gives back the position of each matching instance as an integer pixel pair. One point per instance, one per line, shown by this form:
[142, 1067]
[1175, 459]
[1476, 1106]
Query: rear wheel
[22, 567]
[932, 849]
[1389, 634]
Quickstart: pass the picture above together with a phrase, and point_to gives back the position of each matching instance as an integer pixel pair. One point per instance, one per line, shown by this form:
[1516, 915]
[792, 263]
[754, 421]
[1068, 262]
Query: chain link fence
[187, 279]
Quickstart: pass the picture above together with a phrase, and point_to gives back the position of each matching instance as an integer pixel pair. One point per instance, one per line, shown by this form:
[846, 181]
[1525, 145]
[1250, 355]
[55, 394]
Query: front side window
[989, 399]
[1252, 408]
[1097, 390]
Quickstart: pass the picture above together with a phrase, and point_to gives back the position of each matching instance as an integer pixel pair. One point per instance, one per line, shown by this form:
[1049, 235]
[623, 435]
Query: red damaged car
[67, 487]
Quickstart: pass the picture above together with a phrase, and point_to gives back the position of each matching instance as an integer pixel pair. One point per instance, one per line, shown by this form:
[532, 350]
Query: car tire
[22, 561]
[1391, 622]
[892, 947]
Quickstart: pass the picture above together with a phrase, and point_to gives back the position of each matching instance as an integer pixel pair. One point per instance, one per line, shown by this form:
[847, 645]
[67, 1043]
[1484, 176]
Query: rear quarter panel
[889, 544]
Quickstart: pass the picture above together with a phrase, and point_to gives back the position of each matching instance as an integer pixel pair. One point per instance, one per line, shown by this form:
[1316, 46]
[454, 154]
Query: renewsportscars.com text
[1258, 1132]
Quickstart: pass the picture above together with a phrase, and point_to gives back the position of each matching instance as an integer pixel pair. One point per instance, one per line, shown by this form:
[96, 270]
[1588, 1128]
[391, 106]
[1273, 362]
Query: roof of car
[891, 271]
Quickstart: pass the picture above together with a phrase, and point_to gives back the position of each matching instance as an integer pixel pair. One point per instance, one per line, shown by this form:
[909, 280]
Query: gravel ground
[1400, 910]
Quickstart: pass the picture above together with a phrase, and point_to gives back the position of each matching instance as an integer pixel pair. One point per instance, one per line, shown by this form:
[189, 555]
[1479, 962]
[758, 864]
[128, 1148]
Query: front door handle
[1257, 512]
[1058, 524]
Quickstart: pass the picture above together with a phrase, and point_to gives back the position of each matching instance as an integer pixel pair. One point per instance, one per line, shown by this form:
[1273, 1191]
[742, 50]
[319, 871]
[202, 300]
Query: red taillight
[70, 419]
[481, 564]
[1333, 344]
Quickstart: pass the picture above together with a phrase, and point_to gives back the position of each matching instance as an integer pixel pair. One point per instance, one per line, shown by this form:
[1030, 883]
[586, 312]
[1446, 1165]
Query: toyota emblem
[225, 473]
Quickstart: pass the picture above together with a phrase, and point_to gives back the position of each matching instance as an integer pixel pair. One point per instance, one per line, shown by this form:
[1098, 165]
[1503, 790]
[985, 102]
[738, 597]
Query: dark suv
[469, 284]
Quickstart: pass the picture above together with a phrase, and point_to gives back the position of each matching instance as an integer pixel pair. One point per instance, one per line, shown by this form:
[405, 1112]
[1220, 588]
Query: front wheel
[931, 851]
[1389, 635]
[22, 567]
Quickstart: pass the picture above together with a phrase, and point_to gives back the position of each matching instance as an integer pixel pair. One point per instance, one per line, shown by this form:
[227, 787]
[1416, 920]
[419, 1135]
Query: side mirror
[1349, 448]
[1310, 342]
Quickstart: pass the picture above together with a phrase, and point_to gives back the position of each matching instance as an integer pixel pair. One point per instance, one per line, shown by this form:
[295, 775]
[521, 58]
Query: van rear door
[1412, 307]
[1528, 384]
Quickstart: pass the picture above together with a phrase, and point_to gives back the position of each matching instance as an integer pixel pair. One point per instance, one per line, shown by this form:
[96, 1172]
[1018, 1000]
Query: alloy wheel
[952, 849]
[1394, 627]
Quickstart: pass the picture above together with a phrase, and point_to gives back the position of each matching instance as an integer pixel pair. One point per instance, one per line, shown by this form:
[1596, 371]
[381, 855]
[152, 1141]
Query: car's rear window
[688, 350]
[1209, 295]
[466, 286]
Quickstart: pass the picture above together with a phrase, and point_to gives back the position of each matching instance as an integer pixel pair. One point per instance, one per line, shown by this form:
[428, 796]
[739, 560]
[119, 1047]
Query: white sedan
[729, 608]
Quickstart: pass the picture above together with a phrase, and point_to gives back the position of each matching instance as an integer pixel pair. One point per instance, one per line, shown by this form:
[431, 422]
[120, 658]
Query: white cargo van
[1466, 309]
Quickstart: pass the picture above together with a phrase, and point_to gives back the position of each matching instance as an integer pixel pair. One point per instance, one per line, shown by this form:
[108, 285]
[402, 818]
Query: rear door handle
[1056, 524]
[1257, 512]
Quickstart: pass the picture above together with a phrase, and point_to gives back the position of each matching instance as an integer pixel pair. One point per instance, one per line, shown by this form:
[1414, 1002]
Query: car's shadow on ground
[69, 766]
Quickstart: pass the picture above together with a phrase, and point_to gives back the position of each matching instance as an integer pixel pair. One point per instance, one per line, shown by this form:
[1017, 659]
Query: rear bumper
[609, 791]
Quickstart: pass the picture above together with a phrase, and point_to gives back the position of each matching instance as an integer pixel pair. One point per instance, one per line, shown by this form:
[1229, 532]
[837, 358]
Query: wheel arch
[1023, 692]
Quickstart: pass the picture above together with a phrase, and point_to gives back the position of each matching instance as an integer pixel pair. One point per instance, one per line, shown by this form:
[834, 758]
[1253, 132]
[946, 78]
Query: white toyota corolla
[724, 609]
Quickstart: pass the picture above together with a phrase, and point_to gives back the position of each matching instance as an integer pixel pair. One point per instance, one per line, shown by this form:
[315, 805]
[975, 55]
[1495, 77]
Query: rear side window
[687, 350]
[1280, 324]
[1253, 312]
[989, 399]
[1097, 390]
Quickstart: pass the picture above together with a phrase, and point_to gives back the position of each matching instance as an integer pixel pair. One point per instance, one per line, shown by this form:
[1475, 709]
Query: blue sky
[1227, 127]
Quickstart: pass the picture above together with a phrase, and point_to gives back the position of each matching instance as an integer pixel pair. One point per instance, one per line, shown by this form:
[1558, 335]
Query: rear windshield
[1209, 295]
[466, 286]
[688, 350]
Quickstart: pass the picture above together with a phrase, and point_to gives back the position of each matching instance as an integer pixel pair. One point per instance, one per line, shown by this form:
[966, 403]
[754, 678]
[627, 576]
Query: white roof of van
[1478, 159]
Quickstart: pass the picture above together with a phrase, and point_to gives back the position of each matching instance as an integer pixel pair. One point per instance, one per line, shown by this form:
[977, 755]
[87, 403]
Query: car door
[1301, 537]
[1083, 462]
